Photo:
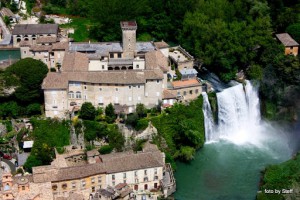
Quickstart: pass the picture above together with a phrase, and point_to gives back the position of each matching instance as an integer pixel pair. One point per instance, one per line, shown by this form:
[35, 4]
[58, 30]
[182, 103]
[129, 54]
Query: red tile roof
[186, 83]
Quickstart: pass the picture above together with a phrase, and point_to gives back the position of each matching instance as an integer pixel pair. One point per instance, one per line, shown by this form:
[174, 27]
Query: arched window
[110, 68]
[130, 67]
[78, 95]
[71, 95]
[117, 68]
[123, 68]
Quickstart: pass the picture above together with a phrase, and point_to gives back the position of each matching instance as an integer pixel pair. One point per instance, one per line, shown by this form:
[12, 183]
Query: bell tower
[128, 38]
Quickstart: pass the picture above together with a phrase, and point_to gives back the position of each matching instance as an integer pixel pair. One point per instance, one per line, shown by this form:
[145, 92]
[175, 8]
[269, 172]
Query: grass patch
[81, 29]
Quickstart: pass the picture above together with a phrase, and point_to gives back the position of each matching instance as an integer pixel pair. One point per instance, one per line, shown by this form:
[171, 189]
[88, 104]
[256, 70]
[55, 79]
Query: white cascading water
[239, 118]
[208, 119]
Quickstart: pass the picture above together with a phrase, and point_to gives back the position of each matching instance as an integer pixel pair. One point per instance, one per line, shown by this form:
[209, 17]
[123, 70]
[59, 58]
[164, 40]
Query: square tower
[128, 38]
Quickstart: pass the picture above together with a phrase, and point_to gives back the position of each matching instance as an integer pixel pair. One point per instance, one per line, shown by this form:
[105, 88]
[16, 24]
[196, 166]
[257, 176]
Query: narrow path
[11, 165]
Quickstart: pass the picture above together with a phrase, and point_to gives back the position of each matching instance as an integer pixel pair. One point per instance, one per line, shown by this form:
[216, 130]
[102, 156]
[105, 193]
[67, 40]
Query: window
[129, 87]
[155, 171]
[139, 86]
[23, 187]
[178, 93]
[111, 55]
[137, 66]
[83, 183]
[157, 81]
[124, 175]
[191, 91]
[64, 185]
[145, 179]
[73, 185]
[155, 185]
[113, 177]
[146, 187]
[145, 172]
[78, 95]
[93, 180]
[85, 87]
[184, 93]
[25, 52]
[100, 89]
[117, 89]
[135, 173]
[119, 55]
[85, 97]
[102, 66]
[196, 91]
[93, 189]
[71, 95]
[99, 179]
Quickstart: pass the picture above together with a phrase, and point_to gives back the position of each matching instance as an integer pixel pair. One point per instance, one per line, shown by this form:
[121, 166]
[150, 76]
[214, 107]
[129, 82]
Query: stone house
[181, 58]
[101, 73]
[125, 172]
[290, 45]
[23, 187]
[31, 33]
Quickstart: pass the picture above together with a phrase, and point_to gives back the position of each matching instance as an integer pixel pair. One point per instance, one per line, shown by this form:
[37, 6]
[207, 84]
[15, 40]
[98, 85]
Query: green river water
[9, 54]
[225, 171]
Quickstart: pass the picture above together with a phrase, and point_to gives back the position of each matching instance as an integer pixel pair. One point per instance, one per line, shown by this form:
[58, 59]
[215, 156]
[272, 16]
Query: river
[9, 54]
[238, 147]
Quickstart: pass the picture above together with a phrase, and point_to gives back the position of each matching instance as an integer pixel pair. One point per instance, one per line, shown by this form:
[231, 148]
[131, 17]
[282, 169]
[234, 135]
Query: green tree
[141, 110]
[7, 21]
[87, 111]
[294, 31]
[115, 138]
[110, 113]
[32, 161]
[27, 76]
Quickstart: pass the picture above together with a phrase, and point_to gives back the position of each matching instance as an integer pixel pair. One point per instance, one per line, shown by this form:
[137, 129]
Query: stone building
[290, 45]
[124, 74]
[41, 42]
[31, 33]
[112, 174]
[23, 187]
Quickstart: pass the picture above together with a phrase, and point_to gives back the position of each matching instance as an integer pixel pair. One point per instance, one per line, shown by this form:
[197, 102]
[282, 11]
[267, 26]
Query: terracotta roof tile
[286, 39]
[161, 45]
[30, 29]
[60, 46]
[55, 81]
[75, 62]
[156, 59]
[60, 80]
[169, 94]
[186, 83]
[46, 39]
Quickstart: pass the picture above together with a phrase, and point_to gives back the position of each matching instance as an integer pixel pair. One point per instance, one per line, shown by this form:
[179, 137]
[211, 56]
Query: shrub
[106, 149]
[142, 124]
[88, 111]
[132, 119]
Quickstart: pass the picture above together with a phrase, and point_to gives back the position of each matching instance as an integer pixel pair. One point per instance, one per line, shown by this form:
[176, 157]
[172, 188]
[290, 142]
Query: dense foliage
[182, 129]
[283, 176]
[24, 78]
[47, 135]
[87, 111]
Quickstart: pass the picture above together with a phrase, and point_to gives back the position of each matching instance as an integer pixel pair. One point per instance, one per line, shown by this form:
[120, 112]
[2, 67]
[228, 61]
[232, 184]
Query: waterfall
[238, 115]
[208, 119]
